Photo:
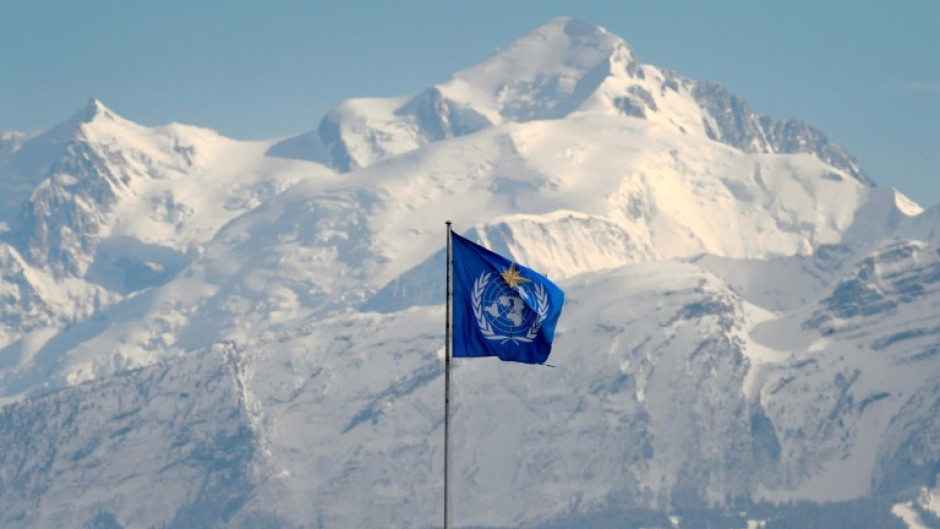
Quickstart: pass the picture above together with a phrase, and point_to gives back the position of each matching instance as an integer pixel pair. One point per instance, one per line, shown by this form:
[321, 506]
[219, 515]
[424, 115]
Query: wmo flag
[500, 307]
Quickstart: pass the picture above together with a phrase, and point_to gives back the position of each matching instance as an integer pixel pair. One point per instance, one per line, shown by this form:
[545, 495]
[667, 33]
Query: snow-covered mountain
[562, 69]
[202, 332]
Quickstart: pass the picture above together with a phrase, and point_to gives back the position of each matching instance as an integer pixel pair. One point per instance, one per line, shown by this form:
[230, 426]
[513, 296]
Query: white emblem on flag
[509, 313]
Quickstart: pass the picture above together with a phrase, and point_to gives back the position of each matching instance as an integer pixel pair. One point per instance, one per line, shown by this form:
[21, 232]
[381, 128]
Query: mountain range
[204, 332]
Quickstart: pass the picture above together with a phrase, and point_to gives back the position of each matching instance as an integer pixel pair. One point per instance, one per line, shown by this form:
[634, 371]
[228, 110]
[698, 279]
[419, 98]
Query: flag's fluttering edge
[501, 308]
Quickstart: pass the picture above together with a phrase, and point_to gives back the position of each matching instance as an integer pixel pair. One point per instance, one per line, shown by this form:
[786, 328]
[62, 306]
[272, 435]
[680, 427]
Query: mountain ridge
[594, 72]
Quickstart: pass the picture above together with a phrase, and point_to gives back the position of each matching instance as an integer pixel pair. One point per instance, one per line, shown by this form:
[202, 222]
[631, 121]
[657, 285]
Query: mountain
[560, 69]
[203, 332]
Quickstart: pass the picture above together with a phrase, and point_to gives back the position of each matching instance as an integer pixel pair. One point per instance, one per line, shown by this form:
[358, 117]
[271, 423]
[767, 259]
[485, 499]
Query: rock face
[175, 437]
[199, 332]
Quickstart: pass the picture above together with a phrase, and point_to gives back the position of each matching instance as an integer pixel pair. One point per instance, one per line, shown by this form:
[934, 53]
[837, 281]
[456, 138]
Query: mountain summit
[199, 332]
[546, 74]
[93, 110]
[563, 67]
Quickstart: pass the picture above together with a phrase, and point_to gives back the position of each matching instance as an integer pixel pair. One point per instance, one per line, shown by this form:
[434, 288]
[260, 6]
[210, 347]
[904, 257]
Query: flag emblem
[504, 308]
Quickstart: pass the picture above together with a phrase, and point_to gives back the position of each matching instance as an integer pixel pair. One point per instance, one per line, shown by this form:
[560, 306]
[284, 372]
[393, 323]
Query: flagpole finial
[447, 222]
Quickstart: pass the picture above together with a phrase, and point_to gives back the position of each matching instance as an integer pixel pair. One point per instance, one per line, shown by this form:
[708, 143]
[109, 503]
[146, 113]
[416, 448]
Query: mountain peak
[544, 74]
[562, 46]
[571, 27]
[92, 110]
[561, 68]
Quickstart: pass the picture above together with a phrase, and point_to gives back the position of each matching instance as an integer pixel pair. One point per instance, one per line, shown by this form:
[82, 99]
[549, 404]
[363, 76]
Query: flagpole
[448, 339]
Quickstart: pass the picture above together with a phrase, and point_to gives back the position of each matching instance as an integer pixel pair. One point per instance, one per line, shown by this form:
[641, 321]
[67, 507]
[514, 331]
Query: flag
[501, 308]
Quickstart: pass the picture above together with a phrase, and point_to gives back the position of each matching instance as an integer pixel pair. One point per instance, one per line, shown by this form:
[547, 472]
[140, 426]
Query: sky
[867, 73]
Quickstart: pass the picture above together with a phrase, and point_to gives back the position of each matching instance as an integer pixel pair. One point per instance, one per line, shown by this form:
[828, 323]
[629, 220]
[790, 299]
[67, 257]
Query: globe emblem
[506, 309]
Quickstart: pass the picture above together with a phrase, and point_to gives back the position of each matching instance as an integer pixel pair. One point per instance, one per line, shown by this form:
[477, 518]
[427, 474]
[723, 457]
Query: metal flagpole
[448, 338]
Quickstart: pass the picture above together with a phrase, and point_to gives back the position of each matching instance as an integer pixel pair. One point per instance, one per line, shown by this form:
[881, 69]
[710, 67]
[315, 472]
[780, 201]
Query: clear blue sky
[866, 72]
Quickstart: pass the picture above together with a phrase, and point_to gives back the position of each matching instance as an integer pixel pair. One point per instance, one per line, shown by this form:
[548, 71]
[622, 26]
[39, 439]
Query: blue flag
[500, 307]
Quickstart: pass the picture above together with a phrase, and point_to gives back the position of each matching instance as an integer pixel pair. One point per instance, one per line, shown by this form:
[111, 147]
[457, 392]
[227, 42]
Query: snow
[906, 205]
[905, 512]
[929, 499]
